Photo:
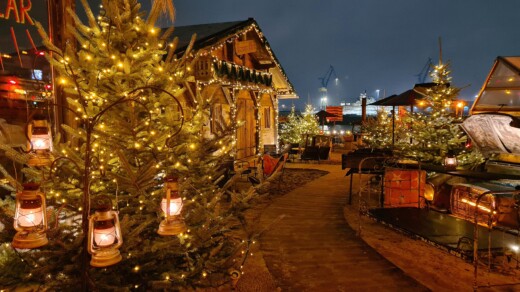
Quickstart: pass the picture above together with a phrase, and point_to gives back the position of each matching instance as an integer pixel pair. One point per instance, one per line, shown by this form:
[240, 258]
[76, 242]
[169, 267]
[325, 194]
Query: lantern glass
[29, 217]
[104, 233]
[450, 163]
[40, 135]
[41, 142]
[175, 206]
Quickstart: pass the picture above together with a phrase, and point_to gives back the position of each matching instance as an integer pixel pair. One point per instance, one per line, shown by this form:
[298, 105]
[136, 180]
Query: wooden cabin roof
[212, 34]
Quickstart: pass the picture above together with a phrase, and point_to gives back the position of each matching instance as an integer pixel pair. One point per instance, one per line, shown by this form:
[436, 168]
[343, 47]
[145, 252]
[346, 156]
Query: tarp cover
[493, 133]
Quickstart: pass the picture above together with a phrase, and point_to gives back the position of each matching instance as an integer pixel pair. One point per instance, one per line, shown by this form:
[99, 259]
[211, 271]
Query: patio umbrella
[322, 117]
[406, 98]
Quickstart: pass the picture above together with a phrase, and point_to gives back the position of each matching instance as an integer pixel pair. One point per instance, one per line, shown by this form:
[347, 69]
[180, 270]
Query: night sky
[372, 44]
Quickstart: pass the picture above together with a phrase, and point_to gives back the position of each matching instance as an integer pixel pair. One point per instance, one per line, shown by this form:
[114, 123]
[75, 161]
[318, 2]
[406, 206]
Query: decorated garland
[240, 73]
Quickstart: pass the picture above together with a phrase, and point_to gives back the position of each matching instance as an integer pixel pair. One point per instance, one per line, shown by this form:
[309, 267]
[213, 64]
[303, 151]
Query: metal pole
[86, 209]
[393, 125]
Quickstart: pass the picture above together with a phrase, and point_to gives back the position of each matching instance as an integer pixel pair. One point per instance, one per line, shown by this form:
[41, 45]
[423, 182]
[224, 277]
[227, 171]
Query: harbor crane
[324, 82]
[425, 71]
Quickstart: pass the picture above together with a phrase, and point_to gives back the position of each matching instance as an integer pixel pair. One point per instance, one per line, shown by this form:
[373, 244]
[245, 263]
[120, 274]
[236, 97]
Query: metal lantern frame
[450, 161]
[104, 255]
[39, 143]
[173, 224]
[28, 237]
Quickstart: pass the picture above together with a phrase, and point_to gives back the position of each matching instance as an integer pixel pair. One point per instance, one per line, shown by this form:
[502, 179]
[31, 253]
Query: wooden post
[393, 125]
[60, 37]
[59, 19]
[363, 118]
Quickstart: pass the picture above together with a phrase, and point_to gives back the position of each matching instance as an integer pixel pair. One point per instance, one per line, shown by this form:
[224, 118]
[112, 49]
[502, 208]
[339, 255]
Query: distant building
[354, 108]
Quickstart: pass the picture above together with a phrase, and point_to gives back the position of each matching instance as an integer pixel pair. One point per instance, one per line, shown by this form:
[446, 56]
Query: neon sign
[16, 10]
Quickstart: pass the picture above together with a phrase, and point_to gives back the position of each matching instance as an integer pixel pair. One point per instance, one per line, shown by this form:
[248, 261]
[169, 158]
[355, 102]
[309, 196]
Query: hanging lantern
[104, 235]
[40, 143]
[30, 219]
[450, 161]
[171, 205]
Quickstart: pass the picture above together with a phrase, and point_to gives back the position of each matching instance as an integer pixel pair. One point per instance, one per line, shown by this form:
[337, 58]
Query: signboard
[337, 111]
[17, 24]
[245, 47]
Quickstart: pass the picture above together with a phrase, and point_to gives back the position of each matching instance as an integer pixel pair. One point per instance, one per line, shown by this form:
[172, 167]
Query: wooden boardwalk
[313, 249]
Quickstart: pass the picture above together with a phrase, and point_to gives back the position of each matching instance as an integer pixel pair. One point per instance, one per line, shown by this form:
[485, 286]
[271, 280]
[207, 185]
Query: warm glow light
[451, 161]
[105, 237]
[40, 141]
[175, 206]
[105, 233]
[466, 201]
[30, 217]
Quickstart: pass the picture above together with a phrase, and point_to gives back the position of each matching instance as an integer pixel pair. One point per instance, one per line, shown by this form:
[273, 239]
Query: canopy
[324, 114]
[404, 99]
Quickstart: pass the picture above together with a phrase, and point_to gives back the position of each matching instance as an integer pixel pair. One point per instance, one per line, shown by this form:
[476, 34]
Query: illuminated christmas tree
[137, 163]
[309, 124]
[378, 131]
[288, 132]
[435, 131]
[296, 127]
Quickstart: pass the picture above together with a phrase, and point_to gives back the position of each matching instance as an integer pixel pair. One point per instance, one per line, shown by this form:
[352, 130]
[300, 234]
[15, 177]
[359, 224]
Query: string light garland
[231, 38]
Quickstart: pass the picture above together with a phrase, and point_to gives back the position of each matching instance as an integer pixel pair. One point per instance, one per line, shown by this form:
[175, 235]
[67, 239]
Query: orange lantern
[30, 219]
[450, 161]
[171, 205]
[104, 237]
[40, 143]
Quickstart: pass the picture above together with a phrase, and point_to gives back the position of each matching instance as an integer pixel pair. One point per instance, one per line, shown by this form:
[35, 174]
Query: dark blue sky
[372, 44]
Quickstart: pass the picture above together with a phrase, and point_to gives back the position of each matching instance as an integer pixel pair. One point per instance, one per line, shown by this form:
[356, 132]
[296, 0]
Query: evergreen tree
[377, 131]
[309, 124]
[436, 131]
[296, 127]
[288, 132]
[123, 87]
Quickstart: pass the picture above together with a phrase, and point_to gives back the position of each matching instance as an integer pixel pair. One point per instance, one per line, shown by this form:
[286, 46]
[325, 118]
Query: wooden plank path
[313, 249]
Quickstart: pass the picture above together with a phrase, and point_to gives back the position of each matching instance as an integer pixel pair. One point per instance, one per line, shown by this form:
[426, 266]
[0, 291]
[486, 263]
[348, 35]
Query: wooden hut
[237, 70]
